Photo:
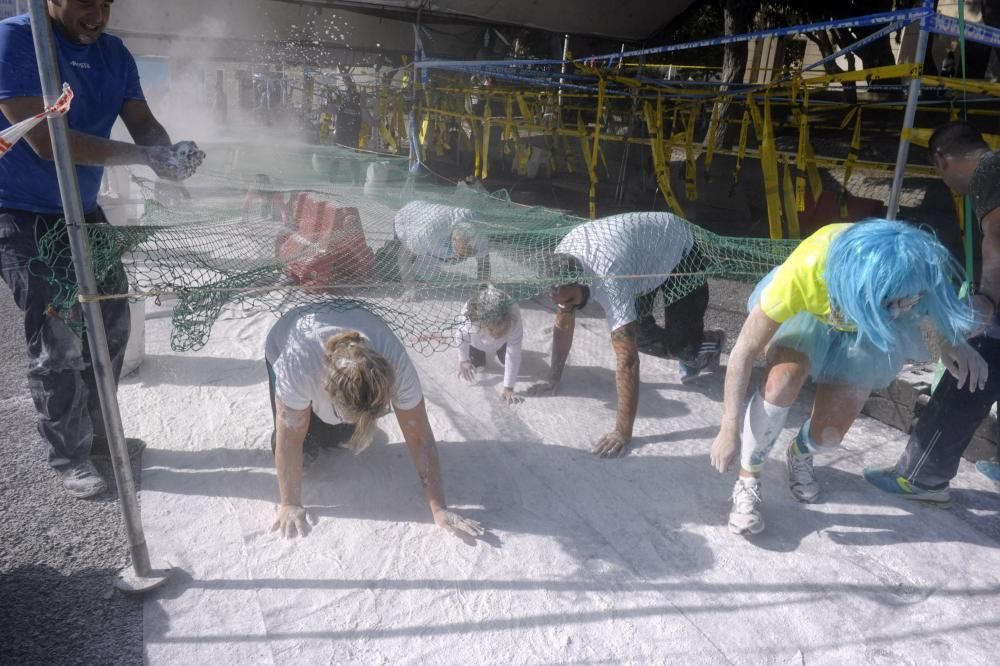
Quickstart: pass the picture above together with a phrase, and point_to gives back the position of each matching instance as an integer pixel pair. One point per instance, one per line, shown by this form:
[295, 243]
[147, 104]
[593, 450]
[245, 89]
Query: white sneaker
[801, 477]
[745, 517]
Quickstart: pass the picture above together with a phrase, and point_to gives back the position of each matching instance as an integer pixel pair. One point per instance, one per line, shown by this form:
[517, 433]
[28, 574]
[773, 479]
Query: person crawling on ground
[492, 324]
[332, 374]
[623, 262]
[431, 234]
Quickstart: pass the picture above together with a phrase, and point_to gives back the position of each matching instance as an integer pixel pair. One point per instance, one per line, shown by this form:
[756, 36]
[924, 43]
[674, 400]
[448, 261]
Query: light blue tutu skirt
[836, 356]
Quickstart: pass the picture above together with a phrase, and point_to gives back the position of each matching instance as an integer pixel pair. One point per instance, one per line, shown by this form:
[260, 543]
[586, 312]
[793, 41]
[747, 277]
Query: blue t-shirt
[103, 76]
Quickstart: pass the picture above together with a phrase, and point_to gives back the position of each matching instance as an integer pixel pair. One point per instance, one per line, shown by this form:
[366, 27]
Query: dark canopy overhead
[628, 20]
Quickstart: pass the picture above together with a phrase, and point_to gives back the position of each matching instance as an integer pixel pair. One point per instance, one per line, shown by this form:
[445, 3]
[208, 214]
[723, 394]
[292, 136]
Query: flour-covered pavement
[588, 560]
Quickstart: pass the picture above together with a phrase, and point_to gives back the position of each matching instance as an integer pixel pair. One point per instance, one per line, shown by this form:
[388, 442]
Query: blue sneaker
[989, 468]
[888, 481]
[688, 372]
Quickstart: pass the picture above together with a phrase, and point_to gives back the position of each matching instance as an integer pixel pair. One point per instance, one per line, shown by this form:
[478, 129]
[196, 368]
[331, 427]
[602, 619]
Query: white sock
[761, 426]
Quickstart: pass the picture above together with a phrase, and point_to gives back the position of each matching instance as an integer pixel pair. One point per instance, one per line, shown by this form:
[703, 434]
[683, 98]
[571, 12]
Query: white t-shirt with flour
[646, 247]
[425, 229]
[294, 348]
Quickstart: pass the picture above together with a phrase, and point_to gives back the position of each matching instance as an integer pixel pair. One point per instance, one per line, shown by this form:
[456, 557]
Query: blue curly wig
[874, 262]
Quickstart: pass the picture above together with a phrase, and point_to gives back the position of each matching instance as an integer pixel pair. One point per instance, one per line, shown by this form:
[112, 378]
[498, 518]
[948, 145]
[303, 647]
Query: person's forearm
[425, 459]
[290, 434]
[562, 342]
[419, 440]
[627, 379]
[95, 151]
[511, 365]
[288, 461]
[738, 372]
[153, 134]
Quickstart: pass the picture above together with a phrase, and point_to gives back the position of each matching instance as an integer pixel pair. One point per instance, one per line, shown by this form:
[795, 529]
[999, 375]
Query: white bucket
[135, 350]
[377, 175]
[538, 161]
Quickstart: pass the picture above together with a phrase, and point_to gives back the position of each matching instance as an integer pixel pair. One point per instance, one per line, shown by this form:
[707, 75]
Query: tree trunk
[736, 21]
[876, 54]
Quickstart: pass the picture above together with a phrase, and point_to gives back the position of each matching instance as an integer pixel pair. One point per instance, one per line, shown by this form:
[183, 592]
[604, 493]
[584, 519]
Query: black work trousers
[948, 422]
[60, 375]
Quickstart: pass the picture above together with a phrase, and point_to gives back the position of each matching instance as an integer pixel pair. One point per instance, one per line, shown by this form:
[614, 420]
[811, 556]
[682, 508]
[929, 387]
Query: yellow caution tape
[690, 168]
[791, 207]
[769, 167]
[852, 157]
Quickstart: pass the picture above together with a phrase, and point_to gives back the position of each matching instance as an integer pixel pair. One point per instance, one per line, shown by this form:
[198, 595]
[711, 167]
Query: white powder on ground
[589, 561]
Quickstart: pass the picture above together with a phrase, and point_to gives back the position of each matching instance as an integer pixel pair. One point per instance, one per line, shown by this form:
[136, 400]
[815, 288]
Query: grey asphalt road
[58, 555]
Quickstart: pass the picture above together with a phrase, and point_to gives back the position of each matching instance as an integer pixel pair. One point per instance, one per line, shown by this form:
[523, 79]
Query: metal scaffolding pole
[912, 96]
[142, 577]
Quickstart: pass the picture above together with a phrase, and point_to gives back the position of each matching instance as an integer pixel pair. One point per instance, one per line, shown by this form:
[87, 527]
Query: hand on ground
[292, 521]
[544, 388]
[966, 365]
[724, 450]
[467, 372]
[507, 396]
[455, 523]
[612, 445]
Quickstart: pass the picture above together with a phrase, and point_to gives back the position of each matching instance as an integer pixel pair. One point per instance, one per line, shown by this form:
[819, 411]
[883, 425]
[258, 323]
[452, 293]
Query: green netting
[270, 228]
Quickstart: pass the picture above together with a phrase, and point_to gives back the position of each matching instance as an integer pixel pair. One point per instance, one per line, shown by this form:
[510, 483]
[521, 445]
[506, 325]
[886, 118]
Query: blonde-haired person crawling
[345, 368]
[492, 324]
[846, 309]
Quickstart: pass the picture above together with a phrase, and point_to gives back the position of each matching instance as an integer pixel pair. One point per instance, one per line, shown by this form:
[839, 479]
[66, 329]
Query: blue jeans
[60, 376]
[948, 422]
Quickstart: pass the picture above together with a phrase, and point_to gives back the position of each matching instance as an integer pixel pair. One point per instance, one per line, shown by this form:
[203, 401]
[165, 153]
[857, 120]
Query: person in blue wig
[845, 309]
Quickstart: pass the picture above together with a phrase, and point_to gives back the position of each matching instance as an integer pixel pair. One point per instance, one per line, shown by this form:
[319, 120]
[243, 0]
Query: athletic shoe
[801, 477]
[888, 481]
[708, 355]
[745, 516]
[687, 372]
[82, 479]
[989, 468]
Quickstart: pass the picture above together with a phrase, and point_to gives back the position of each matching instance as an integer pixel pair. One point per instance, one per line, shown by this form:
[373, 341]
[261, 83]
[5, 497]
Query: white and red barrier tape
[16, 132]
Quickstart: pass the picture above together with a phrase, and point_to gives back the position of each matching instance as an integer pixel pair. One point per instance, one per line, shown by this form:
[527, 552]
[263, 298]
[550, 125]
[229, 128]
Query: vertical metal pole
[562, 70]
[69, 190]
[414, 130]
[912, 96]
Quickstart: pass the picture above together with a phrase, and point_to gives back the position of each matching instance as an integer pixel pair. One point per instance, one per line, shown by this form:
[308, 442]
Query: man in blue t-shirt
[105, 83]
